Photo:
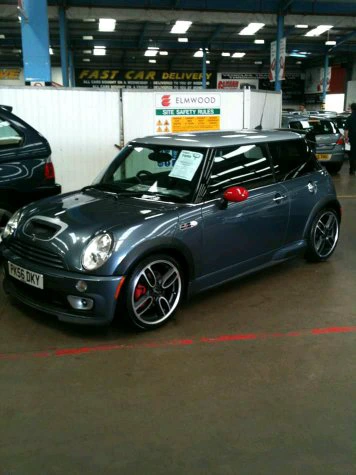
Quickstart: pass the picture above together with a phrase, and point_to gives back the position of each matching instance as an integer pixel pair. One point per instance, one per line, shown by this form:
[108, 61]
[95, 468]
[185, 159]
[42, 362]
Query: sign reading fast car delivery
[140, 79]
[187, 111]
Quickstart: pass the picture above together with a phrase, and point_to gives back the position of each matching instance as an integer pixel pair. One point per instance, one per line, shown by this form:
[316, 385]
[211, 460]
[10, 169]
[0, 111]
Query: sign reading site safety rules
[187, 112]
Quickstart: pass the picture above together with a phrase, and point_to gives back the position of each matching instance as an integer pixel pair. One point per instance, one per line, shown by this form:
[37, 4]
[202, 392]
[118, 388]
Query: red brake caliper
[139, 291]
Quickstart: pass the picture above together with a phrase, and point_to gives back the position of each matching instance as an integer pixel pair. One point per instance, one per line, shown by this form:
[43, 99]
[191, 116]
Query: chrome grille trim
[35, 254]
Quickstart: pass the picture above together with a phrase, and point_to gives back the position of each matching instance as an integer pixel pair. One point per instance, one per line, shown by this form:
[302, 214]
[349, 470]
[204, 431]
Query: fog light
[80, 303]
[81, 286]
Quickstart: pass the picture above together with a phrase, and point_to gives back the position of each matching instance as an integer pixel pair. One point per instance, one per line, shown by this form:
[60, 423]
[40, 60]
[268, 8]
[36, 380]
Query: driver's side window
[240, 165]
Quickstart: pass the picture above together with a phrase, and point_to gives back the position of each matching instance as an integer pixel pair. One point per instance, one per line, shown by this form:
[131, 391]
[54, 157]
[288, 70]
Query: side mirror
[235, 194]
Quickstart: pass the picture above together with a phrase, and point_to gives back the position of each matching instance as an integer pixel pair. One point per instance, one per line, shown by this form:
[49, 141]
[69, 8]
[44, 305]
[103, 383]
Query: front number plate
[323, 156]
[26, 276]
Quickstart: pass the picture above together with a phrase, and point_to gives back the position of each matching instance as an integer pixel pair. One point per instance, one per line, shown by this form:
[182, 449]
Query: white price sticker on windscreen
[186, 165]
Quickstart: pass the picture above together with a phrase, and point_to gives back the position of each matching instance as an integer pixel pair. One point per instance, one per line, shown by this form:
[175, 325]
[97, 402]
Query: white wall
[350, 93]
[262, 105]
[81, 126]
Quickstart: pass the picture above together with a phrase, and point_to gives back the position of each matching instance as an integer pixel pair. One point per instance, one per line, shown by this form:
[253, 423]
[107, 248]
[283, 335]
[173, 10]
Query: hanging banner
[277, 65]
[272, 63]
[142, 79]
[282, 59]
[314, 80]
[187, 112]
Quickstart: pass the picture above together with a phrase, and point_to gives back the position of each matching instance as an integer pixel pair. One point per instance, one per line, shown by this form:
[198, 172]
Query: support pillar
[64, 45]
[35, 42]
[71, 69]
[280, 29]
[204, 69]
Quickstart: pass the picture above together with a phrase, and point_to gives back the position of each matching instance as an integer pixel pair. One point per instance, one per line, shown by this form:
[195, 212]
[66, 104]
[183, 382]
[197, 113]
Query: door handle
[312, 187]
[278, 197]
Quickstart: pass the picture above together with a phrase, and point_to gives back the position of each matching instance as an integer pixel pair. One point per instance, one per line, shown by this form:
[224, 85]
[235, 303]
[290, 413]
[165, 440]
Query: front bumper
[58, 285]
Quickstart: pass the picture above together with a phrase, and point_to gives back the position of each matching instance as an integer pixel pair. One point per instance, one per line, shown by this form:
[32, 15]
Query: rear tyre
[153, 291]
[333, 168]
[323, 235]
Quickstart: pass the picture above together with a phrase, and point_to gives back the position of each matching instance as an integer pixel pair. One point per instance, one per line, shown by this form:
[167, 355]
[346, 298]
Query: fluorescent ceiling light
[302, 26]
[99, 52]
[86, 60]
[2, 37]
[259, 42]
[225, 54]
[298, 62]
[153, 47]
[198, 54]
[319, 30]
[183, 40]
[51, 51]
[99, 47]
[207, 61]
[89, 20]
[86, 51]
[163, 53]
[152, 61]
[181, 26]
[251, 29]
[107, 24]
[238, 55]
[88, 37]
[151, 52]
[258, 62]
[330, 43]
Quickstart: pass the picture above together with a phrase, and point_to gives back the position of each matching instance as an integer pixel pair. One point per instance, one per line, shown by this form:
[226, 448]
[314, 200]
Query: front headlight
[97, 252]
[12, 224]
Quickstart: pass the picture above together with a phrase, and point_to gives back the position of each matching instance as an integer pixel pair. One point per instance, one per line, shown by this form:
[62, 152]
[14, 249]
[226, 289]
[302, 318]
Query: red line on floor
[60, 352]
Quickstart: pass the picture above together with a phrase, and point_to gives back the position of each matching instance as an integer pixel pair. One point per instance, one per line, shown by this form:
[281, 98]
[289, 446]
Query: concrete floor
[242, 382]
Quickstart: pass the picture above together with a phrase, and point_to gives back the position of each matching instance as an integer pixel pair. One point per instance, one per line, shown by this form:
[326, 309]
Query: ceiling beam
[284, 5]
[214, 35]
[141, 40]
[343, 40]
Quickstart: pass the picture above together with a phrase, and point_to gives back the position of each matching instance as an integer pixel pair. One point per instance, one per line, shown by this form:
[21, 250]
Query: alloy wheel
[326, 234]
[156, 292]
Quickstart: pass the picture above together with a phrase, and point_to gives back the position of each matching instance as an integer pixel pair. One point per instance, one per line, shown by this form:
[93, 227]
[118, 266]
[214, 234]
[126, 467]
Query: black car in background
[26, 170]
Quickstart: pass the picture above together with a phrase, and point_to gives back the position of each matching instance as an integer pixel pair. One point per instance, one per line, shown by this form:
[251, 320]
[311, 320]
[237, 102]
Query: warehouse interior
[249, 366]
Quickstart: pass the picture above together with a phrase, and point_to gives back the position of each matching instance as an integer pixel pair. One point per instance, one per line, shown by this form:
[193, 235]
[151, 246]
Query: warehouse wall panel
[82, 127]
[265, 106]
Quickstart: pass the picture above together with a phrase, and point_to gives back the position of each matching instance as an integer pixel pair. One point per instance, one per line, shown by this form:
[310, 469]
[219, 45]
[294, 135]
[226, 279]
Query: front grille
[35, 254]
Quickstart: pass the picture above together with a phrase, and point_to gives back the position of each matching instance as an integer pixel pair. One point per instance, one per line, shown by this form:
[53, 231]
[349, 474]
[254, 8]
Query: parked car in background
[340, 121]
[26, 170]
[325, 136]
[172, 215]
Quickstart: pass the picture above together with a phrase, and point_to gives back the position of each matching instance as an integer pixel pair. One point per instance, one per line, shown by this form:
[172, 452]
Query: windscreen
[160, 172]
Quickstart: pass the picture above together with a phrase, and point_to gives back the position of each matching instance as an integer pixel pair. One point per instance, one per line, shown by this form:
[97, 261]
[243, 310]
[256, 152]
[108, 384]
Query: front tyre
[153, 291]
[323, 235]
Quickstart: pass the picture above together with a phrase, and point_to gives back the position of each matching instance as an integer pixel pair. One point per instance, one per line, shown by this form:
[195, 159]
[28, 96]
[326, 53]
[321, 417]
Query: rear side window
[8, 135]
[322, 127]
[241, 165]
[291, 159]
